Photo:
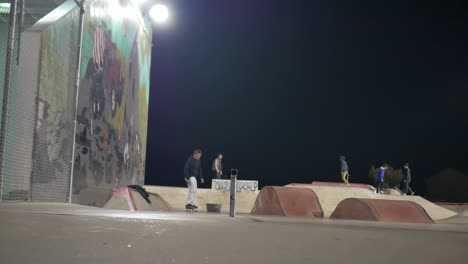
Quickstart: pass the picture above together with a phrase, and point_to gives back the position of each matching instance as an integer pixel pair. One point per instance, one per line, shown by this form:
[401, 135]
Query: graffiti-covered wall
[113, 101]
[112, 105]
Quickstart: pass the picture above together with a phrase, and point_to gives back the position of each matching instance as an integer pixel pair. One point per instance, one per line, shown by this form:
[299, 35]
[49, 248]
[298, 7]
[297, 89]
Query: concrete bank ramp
[459, 219]
[342, 184]
[125, 198]
[176, 197]
[381, 210]
[286, 201]
[330, 196]
[456, 207]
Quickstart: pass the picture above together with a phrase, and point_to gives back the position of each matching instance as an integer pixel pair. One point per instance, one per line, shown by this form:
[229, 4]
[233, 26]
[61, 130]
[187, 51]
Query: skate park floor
[66, 233]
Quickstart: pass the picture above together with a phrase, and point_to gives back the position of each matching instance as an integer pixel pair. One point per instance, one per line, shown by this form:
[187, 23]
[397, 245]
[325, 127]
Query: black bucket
[213, 208]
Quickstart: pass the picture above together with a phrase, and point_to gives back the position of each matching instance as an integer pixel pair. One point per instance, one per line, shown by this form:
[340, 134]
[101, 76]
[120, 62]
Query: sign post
[232, 202]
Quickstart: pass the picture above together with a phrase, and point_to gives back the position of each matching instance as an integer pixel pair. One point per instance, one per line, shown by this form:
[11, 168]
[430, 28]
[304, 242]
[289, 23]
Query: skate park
[77, 184]
[324, 198]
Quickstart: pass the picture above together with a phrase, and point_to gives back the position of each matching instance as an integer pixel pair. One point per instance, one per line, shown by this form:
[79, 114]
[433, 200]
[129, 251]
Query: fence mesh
[112, 101]
[37, 150]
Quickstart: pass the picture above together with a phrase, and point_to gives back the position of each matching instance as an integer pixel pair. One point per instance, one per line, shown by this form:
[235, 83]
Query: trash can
[213, 208]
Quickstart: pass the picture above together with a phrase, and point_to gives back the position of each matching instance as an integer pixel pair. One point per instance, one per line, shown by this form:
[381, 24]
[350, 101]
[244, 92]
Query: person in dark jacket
[380, 178]
[192, 170]
[344, 170]
[407, 179]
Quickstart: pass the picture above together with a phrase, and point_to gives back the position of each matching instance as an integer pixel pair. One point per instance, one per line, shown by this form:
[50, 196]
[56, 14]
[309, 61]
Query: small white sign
[225, 185]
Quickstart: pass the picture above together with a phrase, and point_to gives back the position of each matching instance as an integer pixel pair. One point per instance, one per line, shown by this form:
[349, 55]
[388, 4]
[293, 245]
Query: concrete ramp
[381, 210]
[176, 197]
[125, 198]
[330, 196]
[456, 207]
[286, 201]
[342, 184]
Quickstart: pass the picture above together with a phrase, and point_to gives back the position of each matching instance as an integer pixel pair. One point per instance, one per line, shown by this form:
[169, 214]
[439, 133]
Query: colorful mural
[113, 101]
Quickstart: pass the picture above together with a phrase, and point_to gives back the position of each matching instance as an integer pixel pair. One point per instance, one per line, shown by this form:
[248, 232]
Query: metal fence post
[6, 89]
[81, 5]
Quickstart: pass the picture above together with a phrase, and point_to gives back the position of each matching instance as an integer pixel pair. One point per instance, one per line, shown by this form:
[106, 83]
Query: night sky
[283, 88]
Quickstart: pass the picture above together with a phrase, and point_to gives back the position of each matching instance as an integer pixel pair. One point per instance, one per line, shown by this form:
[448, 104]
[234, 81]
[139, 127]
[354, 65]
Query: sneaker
[194, 206]
[403, 194]
[381, 192]
[188, 206]
[412, 193]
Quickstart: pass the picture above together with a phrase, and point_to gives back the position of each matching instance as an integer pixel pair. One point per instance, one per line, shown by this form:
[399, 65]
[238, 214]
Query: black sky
[282, 88]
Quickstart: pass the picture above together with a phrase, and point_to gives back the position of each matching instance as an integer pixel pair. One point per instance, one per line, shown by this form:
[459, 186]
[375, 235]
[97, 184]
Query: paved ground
[57, 233]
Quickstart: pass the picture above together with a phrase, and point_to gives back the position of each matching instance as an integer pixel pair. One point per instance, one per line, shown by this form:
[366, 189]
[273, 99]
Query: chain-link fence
[111, 105]
[37, 143]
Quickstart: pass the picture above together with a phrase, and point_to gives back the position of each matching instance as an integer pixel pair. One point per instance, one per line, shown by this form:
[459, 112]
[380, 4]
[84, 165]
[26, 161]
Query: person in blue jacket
[380, 178]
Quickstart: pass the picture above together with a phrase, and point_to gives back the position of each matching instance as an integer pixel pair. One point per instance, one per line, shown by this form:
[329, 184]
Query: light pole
[81, 5]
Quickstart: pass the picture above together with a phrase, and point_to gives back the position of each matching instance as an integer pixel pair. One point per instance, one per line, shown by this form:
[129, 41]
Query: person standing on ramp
[192, 170]
[407, 179]
[380, 178]
[217, 167]
[344, 170]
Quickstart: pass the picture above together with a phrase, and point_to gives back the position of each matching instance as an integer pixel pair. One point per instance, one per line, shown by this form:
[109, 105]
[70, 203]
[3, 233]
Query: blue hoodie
[381, 174]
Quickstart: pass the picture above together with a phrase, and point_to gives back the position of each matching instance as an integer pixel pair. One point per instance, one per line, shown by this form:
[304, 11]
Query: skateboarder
[217, 167]
[407, 179]
[380, 178]
[344, 170]
[192, 170]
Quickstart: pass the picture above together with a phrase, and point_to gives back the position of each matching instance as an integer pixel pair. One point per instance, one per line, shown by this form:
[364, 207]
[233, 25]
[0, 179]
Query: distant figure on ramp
[344, 170]
[407, 179]
[192, 170]
[380, 178]
[217, 167]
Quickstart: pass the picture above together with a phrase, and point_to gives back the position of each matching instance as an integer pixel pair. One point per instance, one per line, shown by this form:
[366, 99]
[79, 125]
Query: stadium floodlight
[159, 13]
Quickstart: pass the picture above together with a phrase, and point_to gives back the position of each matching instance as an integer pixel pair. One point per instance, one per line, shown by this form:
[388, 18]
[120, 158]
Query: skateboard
[191, 210]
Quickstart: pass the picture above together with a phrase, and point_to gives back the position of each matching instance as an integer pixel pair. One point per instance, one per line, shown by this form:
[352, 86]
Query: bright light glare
[159, 13]
[139, 2]
[4, 8]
